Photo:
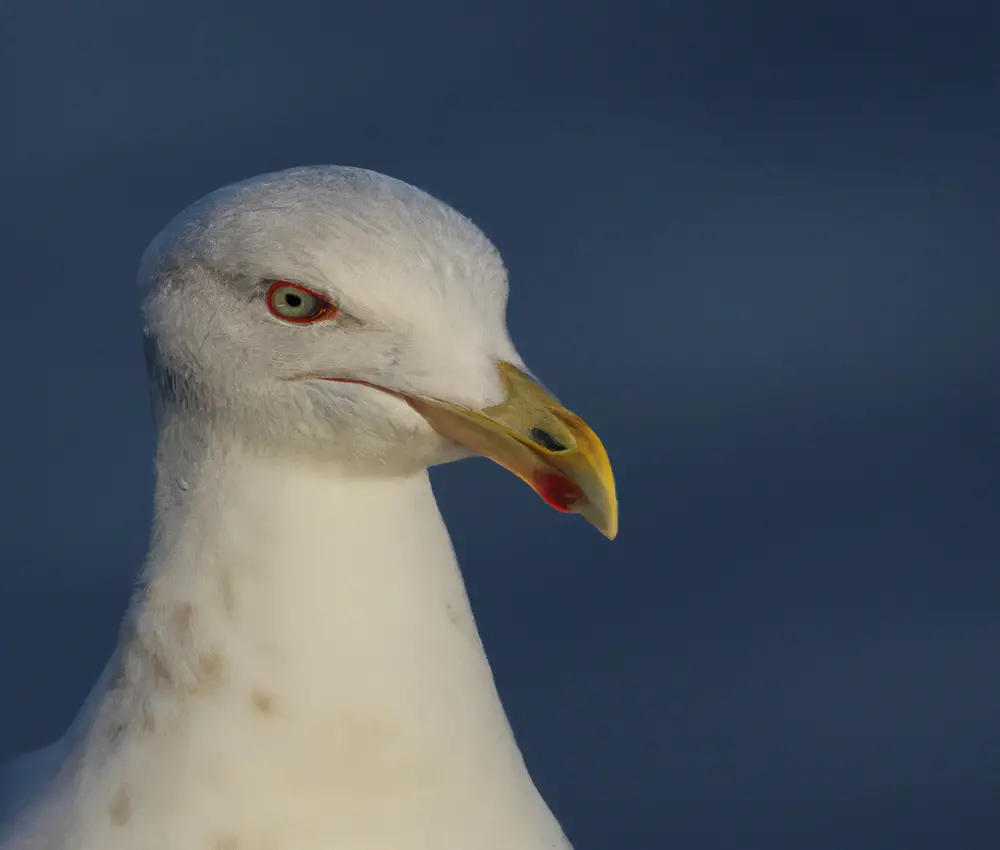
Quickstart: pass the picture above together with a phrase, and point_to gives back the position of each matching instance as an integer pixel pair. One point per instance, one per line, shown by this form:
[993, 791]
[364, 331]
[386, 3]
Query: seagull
[299, 667]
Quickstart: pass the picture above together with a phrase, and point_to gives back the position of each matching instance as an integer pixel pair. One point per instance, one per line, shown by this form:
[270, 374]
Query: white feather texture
[300, 669]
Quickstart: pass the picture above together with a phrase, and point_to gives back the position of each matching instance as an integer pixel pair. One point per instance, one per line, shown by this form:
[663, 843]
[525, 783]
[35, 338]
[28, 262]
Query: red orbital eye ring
[323, 308]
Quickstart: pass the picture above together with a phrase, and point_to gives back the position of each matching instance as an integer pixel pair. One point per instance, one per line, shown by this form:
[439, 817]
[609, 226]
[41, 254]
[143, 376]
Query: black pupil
[292, 300]
[546, 440]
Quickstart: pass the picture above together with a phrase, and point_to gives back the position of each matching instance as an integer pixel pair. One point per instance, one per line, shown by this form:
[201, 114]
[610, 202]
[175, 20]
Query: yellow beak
[540, 441]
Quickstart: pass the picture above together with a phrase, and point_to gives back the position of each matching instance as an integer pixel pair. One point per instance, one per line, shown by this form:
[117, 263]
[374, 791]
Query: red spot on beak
[558, 491]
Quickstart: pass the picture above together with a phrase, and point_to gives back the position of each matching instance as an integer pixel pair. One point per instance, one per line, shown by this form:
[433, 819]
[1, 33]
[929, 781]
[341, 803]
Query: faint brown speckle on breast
[223, 842]
[126, 634]
[147, 719]
[263, 703]
[227, 593]
[452, 610]
[154, 592]
[209, 672]
[181, 620]
[120, 808]
[160, 669]
[117, 730]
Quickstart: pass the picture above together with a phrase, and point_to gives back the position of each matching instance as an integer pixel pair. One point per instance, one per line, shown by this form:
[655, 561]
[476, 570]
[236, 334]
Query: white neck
[303, 672]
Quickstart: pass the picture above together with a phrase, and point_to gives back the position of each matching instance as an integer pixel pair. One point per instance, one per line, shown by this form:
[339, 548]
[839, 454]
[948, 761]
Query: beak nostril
[546, 440]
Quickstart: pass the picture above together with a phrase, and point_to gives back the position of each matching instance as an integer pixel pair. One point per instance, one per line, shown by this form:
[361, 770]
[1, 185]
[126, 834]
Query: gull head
[349, 318]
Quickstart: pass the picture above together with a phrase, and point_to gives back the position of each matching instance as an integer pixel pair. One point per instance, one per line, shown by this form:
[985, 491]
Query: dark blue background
[754, 244]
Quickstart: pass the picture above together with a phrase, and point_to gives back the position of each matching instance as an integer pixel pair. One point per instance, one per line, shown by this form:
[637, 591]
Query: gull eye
[295, 303]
